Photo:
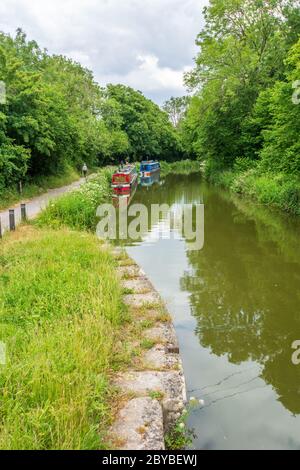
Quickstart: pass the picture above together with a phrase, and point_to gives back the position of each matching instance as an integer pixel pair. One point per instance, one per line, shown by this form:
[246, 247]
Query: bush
[77, 209]
[290, 200]
[275, 189]
[13, 164]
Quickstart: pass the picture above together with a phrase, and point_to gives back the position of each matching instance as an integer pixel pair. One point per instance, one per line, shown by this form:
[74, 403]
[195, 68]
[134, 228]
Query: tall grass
[77, 209]
[182, 167]
[60, 316]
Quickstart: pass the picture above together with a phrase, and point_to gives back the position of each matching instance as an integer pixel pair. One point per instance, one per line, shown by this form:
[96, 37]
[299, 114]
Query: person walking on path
[85, 170]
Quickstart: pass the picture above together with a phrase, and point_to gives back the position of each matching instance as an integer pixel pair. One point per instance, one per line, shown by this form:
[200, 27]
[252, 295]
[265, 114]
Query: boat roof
[125, 169]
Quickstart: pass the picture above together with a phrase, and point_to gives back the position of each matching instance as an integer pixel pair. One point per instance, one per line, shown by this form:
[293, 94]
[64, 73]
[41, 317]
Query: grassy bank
[60, 316]
[77, 209]
[273, 189]
[36, 187]
[182, 167]
[65, 328]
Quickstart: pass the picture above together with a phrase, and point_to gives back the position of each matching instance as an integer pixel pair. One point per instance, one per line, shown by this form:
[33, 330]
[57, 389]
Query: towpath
[35, 205]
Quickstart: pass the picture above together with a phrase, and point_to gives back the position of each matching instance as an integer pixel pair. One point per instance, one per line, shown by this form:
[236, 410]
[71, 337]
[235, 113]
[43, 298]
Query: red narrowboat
[124, 181]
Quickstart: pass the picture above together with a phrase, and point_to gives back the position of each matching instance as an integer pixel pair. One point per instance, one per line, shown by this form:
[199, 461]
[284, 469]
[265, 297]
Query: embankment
[272, 189]
[61, 316]
[153, 386]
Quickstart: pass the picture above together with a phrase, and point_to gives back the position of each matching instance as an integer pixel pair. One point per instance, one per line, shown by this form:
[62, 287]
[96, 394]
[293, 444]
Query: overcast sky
[147, 44]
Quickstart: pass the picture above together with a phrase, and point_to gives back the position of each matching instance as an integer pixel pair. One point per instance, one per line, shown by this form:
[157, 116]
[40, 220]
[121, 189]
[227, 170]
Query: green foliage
[276, 189]
[281, 143]
[242, 116]
[49, 116]
[149, 131]
[77, 209]
[56, 116]
[180, 437]
[147, 344]
[182, 167]
[13, 164]
[11, 195]
[60, 315]
[176, 108]
[242, 52]
[156, 395]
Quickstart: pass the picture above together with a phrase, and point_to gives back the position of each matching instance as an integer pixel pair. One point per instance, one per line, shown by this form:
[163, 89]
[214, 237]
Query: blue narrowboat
[149, 172]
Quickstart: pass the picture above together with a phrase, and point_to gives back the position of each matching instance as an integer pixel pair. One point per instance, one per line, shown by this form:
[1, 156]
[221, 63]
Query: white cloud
[156, 76]
[151, 78]
[147, 44]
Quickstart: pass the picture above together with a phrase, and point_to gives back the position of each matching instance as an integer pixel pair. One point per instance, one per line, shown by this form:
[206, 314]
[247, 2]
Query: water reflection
[236, 306]
[150, 180]
[245, 294]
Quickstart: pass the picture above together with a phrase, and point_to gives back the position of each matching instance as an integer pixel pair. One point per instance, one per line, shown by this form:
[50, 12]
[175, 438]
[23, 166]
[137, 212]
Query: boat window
[150, 166]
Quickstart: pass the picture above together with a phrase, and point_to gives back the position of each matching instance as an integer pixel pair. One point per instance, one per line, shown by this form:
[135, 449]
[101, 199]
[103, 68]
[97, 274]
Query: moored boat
[150, 170]
[124, 181]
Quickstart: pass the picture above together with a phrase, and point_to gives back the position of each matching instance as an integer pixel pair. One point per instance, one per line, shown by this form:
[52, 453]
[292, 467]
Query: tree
[242, 52]
[148, 129]
[281, 144]
[56, 115]
[176, 108]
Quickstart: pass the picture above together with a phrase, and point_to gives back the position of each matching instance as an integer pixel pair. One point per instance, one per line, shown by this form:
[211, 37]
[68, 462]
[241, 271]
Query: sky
[146, 44]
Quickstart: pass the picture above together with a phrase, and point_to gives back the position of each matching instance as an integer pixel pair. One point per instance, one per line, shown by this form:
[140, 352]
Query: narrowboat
[149, 173]
[125, 181]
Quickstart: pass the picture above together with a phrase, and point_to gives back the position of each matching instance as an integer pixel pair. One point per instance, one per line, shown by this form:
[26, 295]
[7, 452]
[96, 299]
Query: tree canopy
[54, 114]
[243, 79]
[147, 127]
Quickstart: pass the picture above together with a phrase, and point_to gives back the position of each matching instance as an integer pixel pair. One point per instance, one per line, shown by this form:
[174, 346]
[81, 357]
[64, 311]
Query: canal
[236, 309]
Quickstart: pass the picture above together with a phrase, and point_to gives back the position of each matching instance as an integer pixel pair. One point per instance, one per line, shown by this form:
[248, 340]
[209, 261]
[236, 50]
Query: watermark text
[296, 354]
[159, 222]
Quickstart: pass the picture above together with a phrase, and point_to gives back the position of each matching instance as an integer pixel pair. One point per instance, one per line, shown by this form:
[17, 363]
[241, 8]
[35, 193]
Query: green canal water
[236, 309]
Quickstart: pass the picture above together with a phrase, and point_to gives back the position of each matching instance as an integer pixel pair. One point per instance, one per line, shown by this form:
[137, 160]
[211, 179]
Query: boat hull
[149, 173]
[150, 180]
[125, 189]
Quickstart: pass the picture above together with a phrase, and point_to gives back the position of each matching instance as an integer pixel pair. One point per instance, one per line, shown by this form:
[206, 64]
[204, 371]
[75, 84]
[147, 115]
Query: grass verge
[60, 316]
[36, 187]
[64, 328]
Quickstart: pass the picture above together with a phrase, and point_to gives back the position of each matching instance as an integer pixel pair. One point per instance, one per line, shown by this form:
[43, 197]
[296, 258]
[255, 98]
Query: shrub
[77, 209]
[182, 167]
